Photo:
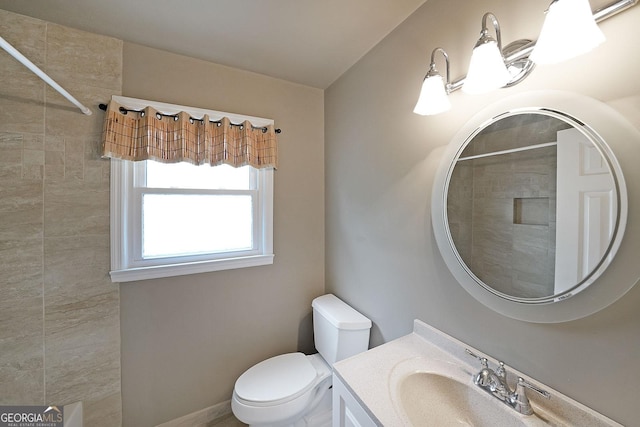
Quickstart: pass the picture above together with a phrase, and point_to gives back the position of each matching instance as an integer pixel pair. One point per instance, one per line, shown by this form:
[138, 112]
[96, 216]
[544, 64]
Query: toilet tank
[339, 330]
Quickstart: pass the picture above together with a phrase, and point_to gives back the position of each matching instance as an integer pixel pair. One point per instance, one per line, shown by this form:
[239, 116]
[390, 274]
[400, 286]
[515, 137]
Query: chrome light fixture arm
[434, 95]
[613, 9]
[484, 34]
[434, 72]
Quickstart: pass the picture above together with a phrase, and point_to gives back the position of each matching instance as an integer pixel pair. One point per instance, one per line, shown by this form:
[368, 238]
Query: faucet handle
[483, 360]
[523, 383]
[501, 371]
[519, 400]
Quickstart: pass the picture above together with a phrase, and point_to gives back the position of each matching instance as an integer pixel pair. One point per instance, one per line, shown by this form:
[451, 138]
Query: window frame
[126, 232]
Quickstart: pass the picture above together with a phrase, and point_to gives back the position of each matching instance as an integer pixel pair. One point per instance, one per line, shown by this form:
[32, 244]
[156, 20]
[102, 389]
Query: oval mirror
[529, 209]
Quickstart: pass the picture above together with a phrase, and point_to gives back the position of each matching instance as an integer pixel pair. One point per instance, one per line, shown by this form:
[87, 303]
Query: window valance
[141, 130]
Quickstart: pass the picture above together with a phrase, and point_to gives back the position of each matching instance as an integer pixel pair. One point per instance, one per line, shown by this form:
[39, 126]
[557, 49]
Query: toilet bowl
[293, 389]
[279, 390]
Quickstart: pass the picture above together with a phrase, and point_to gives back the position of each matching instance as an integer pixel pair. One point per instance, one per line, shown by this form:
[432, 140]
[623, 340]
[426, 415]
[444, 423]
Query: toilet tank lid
[341, 315]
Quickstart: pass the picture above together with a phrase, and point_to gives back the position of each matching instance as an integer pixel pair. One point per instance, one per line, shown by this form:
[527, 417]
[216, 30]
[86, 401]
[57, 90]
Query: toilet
[292, 390]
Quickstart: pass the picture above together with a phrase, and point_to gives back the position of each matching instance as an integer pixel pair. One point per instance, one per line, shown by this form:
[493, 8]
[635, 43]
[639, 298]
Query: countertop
[373, 378]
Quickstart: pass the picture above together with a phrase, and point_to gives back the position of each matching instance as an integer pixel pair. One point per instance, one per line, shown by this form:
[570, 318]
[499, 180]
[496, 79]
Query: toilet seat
[276, 380]
[285, 387]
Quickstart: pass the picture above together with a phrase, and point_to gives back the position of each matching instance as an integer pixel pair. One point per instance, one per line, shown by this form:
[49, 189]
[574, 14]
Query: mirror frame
[612, 132]
[618, 179]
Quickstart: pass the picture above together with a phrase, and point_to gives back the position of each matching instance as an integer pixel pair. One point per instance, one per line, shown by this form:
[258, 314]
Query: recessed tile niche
[502, 208]
[531, 211]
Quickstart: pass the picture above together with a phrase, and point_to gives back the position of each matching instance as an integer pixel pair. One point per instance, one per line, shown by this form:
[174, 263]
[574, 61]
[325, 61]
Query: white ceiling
[311, 42]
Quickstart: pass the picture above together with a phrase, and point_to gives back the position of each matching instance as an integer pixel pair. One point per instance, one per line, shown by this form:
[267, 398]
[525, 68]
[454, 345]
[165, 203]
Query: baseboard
[202, 417]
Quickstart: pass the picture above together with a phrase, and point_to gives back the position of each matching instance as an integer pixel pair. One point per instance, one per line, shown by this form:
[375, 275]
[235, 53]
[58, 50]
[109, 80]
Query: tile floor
[228, 421]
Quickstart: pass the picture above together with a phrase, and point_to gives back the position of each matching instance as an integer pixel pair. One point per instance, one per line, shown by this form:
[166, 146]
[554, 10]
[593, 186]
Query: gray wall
[381, 255]
[59, 312]
[185, 340]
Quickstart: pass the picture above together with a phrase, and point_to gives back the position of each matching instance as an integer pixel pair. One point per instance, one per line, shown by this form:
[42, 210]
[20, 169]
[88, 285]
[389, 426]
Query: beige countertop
[374, 378]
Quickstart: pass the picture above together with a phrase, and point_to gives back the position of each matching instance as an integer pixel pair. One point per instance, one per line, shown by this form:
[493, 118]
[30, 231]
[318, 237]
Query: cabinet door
[347, 411]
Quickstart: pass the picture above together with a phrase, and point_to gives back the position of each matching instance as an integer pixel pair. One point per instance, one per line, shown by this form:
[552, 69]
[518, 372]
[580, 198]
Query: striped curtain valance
[149, 134]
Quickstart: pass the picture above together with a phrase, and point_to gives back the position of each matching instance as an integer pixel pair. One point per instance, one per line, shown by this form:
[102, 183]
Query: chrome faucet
[495, 383]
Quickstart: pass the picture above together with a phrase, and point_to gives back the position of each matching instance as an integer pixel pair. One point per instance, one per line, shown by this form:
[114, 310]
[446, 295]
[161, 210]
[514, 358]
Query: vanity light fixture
[434, 96]
[569, 30]
[487, 69]
[509, 66]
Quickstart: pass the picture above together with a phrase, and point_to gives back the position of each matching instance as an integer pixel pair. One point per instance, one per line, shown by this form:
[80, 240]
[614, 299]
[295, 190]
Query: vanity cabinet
[347, 411]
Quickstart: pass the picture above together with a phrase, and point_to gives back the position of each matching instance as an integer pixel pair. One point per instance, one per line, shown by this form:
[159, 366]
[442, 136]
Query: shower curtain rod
[37, 71]
[509, 151]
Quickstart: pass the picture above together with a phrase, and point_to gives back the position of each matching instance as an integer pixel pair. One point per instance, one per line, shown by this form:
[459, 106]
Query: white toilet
[293, 389]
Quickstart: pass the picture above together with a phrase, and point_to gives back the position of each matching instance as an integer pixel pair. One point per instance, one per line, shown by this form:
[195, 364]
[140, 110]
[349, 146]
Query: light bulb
[433, 97]
[569, 30]
[487, 70]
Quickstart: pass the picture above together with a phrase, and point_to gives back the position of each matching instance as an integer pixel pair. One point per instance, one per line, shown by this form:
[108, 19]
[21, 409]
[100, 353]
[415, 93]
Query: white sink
[437, 393]
[429, 399]
[426, 379]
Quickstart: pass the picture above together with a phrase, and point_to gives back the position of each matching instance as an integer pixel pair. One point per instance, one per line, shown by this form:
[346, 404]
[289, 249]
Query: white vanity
[426, 379]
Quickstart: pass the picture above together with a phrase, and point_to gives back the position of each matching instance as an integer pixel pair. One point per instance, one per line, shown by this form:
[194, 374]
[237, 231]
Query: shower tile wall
[511, 249]
[518, 258]
[59, 312]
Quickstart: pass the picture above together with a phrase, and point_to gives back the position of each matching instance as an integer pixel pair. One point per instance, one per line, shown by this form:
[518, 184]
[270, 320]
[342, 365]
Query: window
[175, 219]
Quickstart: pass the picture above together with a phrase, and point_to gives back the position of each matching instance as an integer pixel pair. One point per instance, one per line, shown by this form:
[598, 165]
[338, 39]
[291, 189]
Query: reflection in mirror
[532, 206]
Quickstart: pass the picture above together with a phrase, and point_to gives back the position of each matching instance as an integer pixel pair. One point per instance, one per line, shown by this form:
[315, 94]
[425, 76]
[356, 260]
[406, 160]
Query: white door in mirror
[586, 206]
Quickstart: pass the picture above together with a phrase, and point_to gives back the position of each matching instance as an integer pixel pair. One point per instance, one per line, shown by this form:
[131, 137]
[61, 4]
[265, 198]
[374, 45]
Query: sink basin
[426, 379]
[429, 399]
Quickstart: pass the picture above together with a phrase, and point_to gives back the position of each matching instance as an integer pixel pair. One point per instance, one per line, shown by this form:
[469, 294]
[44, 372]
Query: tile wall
[59, 311]
[502, 208]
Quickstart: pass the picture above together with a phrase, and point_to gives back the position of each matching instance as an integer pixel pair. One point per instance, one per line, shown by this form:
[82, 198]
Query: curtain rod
[509, 151]
[123, 110]
[37, 71]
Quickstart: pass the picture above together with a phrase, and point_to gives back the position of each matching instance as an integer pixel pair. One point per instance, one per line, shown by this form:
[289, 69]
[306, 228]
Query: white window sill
[171, 270]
